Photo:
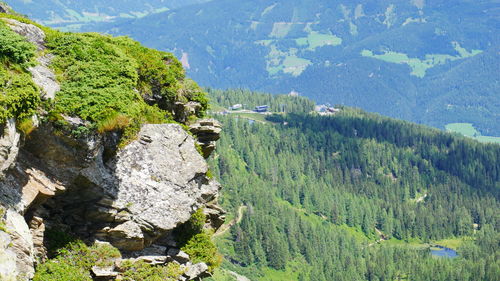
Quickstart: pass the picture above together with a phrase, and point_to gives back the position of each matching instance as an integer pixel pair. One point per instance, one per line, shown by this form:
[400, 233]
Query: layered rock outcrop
[132, 198]
[207, 132]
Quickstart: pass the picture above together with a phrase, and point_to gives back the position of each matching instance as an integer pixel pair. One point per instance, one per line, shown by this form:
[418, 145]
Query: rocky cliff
[134, 196]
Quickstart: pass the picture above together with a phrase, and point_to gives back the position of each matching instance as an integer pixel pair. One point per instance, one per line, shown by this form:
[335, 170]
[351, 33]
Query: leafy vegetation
[322, 188]
[201, 248]
[104, 80]
[98, 80]
[143, 271]
[107, 81]
[55, 240]
[2, 221]
[75, 261]
[197, 242]
[14, 48]
[19, 96]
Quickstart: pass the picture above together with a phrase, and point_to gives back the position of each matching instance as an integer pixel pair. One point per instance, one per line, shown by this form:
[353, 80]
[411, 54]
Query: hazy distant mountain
[427, 61]
[74, 14]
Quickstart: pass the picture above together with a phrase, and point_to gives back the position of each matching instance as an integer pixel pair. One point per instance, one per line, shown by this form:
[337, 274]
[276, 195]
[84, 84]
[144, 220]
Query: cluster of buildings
[260, 108]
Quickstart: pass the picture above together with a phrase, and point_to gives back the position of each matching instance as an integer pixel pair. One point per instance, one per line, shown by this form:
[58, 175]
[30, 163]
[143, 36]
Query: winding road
[224, 228]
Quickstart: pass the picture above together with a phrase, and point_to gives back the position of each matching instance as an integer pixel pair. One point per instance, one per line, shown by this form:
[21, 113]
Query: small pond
[444, 252]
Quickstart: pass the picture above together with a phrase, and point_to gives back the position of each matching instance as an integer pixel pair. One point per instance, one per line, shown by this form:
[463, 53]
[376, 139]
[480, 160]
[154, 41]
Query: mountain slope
[406, 59]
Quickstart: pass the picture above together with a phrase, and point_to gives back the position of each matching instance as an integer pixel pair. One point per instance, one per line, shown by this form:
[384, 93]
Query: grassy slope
[468, 130]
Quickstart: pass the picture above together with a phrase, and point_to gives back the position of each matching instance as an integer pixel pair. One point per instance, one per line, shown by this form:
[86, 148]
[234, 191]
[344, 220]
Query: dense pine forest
[354, 196]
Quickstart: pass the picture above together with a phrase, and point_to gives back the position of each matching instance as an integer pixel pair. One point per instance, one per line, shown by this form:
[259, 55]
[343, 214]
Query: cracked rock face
[9, 141]
[147, 189]
[44, 77]
[160, 174]
[131, 200]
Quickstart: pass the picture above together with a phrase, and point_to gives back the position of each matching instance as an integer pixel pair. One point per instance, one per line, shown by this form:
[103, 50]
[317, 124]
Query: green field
[452, 243]
[288, 61]
[291, 272]
[294, 65]
[252, 116]
[468, 130]
[419, 66]
[285, 61]
[315, 40]
[488, 139]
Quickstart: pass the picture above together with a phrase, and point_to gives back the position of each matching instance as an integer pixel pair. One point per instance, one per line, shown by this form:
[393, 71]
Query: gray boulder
[197, 271]
[32, 33]
[161, 173]
[44, 77]
[4, 8]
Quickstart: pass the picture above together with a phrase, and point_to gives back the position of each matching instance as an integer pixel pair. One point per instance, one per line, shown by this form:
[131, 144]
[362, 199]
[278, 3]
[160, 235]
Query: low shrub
[75, 260]
[201, 248]
[197, 242]
[19, 96]
[57, 270]
[25, 126]
[113, 123]
[143, 271]
[14, 48]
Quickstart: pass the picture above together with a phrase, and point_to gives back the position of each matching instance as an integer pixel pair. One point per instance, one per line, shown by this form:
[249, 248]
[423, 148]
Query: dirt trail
[223, 229]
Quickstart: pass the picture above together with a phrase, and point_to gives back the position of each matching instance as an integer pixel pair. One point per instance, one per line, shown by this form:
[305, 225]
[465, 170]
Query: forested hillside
[431, 62]
[320, 191]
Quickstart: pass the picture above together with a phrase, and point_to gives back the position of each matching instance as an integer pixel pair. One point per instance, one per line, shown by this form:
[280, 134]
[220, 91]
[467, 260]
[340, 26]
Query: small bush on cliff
[75, 261]
[14, 48]
[2, 221]
[192, 227]
[57, 270]
[19, 96]
[143, 271]
[197, 242]
[201, 248]
[25, 126]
